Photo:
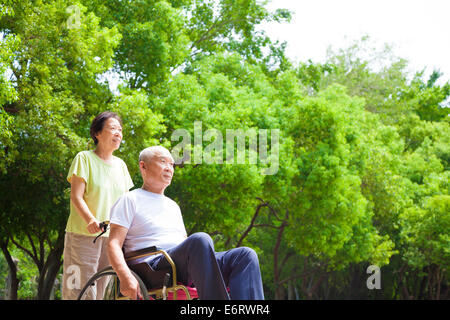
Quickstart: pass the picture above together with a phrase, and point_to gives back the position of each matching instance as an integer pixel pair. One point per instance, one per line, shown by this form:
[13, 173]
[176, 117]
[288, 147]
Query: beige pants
[82, 259]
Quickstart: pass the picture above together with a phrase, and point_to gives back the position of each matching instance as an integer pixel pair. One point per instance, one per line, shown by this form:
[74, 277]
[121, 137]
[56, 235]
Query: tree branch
[23, 249]
[250, 227]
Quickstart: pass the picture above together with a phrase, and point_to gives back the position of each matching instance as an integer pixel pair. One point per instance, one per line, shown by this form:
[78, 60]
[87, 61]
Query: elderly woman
[97, 179]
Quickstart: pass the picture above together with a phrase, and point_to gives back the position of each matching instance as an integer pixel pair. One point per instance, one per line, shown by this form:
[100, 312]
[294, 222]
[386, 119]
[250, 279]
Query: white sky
[418, 30]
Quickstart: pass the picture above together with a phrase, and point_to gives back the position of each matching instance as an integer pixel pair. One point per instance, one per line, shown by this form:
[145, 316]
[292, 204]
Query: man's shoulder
[128, 196]
[125, 202]
[139, 196]
[172, 202]
[132, 194]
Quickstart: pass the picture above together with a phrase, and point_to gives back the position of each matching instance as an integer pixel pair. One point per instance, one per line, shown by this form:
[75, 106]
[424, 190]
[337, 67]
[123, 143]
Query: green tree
[425, 234]
[153, 38]
[210, 193]
[408, 151]
[8, 45]
[428, 100]
[54, 70]
[163, 37]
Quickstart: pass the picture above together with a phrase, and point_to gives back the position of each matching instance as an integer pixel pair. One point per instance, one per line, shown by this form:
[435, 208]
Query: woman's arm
[78, 186]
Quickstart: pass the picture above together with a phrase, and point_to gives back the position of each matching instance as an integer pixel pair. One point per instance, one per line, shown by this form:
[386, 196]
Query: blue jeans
[213, 272]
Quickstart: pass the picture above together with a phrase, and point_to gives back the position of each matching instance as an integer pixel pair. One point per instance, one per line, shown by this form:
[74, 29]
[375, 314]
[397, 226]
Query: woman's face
[111, 134]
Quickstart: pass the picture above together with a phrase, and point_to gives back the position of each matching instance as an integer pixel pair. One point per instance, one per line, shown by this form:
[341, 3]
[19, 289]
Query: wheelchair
[153, 284]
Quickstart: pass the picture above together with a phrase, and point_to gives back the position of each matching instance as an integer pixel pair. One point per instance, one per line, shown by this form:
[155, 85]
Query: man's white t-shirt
[151, 219]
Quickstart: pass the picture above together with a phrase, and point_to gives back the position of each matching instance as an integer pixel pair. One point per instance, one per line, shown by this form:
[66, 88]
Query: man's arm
[128, 284]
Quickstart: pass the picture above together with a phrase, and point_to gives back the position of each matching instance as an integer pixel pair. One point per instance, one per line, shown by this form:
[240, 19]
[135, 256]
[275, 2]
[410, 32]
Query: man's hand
[130, 288]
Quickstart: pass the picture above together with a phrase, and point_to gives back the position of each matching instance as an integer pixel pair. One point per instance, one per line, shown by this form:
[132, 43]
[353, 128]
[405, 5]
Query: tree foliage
[362, 157]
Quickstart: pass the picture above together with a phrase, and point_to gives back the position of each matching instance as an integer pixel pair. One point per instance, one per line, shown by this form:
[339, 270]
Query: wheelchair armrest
[152, 251]
[140, 252]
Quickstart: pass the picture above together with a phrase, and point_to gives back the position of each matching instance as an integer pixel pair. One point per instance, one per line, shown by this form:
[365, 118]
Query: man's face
[158, 171]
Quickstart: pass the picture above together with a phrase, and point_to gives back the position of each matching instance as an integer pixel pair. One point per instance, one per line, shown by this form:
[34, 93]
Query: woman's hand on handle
[94, 226]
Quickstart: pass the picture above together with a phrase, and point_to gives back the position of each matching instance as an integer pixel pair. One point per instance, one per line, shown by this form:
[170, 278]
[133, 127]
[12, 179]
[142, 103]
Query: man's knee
[252, 254]
[249, 255]
[201, 240]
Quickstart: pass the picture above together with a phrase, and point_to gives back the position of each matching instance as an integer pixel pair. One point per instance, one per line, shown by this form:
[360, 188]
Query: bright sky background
[418, 30]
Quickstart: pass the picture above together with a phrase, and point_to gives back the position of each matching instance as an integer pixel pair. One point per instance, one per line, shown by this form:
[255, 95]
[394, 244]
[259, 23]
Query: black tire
[109, 271]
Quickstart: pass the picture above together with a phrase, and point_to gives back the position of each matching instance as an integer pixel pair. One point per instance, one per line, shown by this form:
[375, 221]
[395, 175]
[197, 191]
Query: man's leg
[196, 263]
[240, 270]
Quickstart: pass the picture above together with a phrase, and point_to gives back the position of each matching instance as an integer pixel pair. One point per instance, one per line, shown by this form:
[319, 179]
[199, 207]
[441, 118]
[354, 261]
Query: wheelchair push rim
[107, 272]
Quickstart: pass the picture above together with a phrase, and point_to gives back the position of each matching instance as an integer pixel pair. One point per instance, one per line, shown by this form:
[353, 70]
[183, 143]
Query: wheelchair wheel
[111, 290]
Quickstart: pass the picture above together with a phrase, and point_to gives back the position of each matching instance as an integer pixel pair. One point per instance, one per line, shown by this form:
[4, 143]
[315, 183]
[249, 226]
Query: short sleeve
[128, 182]
[122, 212]
[79, 167]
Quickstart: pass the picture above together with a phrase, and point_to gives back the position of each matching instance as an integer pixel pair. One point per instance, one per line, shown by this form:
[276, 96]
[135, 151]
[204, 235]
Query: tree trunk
[50, 270]
[13, 281]
[279, 290]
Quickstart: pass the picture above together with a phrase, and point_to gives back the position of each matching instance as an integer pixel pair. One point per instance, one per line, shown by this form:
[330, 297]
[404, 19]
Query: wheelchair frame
[159, 293]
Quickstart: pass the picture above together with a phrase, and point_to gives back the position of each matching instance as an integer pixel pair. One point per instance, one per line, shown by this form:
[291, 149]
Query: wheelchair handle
[104, 226]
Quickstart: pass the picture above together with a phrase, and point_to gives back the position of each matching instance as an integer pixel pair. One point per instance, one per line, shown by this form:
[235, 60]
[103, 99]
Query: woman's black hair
[99, 122]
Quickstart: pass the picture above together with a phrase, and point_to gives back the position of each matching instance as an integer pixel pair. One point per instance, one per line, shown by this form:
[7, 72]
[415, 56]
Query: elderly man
[146, 217]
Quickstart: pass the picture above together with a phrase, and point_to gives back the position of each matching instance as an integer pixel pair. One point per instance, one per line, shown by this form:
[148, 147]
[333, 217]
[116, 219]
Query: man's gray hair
[150, 152]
